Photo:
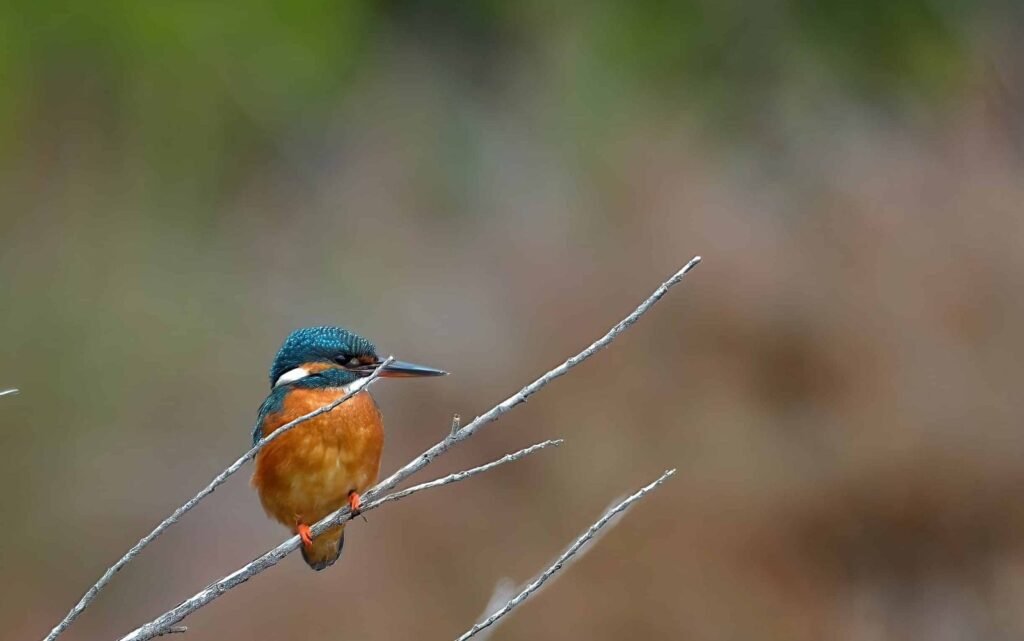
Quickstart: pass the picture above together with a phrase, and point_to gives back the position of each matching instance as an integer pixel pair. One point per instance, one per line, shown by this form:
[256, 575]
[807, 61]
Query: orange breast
[308, 473]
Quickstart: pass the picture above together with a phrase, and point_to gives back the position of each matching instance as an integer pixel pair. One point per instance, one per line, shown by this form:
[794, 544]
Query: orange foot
[305, 535]
[355, 503]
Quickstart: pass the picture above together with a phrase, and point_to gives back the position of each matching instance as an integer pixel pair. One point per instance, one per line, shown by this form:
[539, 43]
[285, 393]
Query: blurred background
[487, 187]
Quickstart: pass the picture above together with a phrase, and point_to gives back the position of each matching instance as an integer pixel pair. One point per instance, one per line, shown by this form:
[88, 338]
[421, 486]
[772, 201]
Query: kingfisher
[328, 461]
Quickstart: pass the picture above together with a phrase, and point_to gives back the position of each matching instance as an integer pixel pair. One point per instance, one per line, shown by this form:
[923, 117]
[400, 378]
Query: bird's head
[333, 357]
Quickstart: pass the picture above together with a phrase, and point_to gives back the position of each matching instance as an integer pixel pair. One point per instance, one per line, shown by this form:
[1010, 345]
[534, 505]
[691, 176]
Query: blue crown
[311, 344]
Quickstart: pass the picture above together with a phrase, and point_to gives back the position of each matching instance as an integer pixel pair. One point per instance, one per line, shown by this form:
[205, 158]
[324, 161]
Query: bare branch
[461, 476]
[561, 561]
[7, 392]
[157, 626]
[506, 588]
[91, 593]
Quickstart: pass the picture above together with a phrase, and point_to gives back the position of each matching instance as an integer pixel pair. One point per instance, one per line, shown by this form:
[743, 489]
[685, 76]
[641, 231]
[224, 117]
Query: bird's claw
[305, 535]
[355, 503]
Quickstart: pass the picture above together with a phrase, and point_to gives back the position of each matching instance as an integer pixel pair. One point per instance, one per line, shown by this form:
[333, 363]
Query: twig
[8, 391]
[566, 556]
[157, 626]
[456, 422]
[91, 593]
[506, 588]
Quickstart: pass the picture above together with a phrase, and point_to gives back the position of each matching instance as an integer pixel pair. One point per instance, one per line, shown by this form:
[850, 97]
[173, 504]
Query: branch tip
[693, 262]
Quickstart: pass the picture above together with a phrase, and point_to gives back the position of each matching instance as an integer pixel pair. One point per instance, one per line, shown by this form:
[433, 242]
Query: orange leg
[305, 535]
[355, 502]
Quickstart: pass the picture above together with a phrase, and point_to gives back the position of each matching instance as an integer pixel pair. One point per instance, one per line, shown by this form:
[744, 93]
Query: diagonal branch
[565, 557]
[460, 476]
[161, 624]
[506, 588]
[91, 593]
[7, 392]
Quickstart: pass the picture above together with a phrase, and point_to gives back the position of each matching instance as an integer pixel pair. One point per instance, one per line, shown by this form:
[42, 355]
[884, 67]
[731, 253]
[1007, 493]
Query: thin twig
[566, 556]
[7, 392]
[506, 588]
[157, 626]
[88, 597]
[465, 474]
[456, 422]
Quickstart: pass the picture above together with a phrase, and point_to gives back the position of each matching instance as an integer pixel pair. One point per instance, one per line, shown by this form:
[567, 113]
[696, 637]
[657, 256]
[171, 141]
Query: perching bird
[328, 461]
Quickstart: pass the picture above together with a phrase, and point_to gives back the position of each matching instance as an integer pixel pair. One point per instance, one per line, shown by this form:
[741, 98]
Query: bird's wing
[271, 405]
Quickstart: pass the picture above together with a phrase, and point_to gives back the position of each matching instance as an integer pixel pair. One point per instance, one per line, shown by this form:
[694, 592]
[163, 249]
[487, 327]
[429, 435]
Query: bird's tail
[326, 548]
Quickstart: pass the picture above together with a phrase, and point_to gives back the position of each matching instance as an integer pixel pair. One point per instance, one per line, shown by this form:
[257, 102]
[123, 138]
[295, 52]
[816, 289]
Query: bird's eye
[348, 361]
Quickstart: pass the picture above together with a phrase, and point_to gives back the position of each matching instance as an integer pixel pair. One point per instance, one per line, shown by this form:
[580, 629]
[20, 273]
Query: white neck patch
[291, 376]
[298, 373]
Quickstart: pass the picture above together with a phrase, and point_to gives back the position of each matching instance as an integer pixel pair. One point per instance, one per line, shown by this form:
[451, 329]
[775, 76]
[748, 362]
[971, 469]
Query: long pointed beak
[401, 369]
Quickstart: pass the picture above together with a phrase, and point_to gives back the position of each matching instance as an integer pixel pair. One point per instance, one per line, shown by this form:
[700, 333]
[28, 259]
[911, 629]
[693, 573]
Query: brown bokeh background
[487, 187]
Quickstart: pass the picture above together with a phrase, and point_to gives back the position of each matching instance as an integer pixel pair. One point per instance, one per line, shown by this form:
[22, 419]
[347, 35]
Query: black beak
[401, 369]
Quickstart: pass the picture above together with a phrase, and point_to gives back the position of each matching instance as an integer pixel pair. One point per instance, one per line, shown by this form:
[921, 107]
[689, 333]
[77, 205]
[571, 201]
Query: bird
[328, 461]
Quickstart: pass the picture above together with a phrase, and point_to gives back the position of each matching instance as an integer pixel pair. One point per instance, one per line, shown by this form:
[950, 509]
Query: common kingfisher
[328, 461]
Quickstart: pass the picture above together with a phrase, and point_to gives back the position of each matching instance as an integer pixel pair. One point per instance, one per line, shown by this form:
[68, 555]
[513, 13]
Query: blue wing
[271, 405]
